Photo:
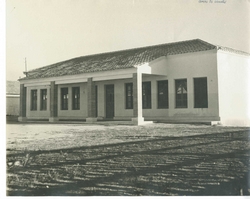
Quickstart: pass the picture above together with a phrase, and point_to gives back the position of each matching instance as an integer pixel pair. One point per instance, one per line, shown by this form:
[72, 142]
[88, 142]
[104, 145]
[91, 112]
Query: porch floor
[105, 123]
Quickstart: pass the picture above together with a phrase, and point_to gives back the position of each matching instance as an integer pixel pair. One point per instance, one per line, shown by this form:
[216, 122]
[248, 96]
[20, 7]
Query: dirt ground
[157, 159]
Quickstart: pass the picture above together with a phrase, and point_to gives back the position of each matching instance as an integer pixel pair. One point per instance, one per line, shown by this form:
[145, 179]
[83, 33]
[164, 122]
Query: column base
[53, 119]
[22, 119]
[138, 120]
[91, 119]
[215, 123]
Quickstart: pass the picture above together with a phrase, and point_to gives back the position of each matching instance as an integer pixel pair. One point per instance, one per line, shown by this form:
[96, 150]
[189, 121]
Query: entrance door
[110, 101]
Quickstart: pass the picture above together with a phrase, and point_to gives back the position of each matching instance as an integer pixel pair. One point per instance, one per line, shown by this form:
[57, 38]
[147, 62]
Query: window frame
[76, 98]
[129, 98]
[33, 101]
[204, 99]
[162, 100]
[64, 101]
[43, 102]
[146, 86]
[181, 100]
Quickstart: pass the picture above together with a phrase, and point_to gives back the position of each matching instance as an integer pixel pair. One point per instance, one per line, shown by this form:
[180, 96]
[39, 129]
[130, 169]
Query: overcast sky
[49, 31]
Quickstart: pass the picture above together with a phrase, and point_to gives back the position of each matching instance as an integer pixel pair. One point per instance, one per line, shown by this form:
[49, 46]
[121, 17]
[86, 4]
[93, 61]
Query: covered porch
[93, 81]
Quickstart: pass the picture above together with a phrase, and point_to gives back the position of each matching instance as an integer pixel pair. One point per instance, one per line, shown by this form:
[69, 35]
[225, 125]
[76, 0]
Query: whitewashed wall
[234, 89]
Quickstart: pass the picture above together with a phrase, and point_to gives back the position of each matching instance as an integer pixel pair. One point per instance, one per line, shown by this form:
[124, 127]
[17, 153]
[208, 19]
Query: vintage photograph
[127, 97]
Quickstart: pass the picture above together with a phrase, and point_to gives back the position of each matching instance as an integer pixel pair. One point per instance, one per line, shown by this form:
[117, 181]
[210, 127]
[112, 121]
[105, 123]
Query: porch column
[53, 102]
[137, 99]
[92, 117]
[22, 108]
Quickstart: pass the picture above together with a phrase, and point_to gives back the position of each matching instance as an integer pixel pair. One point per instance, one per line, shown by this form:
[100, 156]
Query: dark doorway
[110, 101]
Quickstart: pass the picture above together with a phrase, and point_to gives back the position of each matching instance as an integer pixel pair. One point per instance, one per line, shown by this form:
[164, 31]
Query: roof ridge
[229, 49]
[205, 42]
[136, 48]
[224, 48]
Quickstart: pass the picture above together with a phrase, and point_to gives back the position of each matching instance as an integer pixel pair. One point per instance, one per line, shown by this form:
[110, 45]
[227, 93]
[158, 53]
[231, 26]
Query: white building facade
[190, 81]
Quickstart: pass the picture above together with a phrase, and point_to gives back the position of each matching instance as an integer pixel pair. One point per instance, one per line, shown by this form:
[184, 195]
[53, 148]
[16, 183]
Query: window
[200, 93]
[146, 95]
[76, 98]
[129, 95]
[64, 98]
[162, 94]
[33, 100]
[181, 93]
[43, 99]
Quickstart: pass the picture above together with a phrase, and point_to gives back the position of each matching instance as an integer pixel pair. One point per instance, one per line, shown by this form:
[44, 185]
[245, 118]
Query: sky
[49, 31]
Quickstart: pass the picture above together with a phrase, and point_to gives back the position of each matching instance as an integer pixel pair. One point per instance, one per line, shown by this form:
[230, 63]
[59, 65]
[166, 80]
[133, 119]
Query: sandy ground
[57, 136]
[103, 160]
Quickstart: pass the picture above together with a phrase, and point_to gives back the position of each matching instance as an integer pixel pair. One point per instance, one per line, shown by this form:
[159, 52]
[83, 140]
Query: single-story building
[12, 98]
[187, 81]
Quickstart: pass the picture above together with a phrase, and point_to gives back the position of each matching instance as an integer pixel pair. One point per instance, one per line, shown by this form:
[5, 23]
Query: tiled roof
[12, 88]
[118, 59]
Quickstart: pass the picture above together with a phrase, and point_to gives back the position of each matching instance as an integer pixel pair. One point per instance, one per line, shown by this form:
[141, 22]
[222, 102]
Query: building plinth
[22, 119]
[53, 119]
[138, 120]
[91, 119]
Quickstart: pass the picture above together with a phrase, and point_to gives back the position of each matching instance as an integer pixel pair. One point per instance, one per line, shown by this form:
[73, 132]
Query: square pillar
[137, 99]
[53, 102]
[92, 117]
[22, 110]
